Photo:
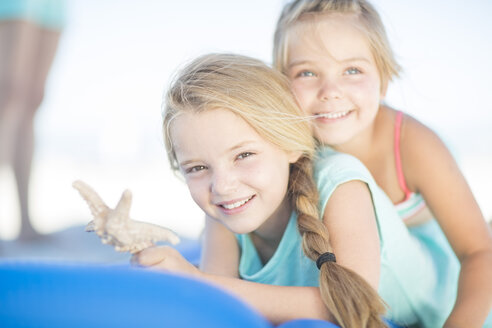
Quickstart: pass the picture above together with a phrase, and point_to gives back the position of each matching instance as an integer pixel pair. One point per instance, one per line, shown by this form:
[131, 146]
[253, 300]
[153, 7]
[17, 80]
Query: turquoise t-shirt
[50, 14]
[417, 282]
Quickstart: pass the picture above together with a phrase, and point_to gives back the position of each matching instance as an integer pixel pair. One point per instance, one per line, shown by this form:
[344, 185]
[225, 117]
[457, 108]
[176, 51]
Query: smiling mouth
[333, 115]
[236, 204]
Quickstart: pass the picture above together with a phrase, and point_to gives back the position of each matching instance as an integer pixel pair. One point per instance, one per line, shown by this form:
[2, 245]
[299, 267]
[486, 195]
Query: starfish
[115, 227]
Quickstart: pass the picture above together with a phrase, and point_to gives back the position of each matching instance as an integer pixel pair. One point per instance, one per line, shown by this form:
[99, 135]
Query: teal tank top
[417, 282]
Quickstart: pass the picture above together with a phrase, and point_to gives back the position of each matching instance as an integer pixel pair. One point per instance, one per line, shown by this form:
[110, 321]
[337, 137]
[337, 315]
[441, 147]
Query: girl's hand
[165, 258]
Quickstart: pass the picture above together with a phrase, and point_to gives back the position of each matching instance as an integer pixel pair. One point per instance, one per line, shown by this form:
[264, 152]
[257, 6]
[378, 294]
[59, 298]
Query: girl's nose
[223, 183]
[329, 89]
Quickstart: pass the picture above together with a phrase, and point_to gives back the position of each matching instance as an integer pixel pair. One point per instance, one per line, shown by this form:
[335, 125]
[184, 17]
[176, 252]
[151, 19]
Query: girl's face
[334, 76]
[233, 174]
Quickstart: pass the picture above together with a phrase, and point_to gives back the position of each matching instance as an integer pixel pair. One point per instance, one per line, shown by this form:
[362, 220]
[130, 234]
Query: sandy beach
[67, 245]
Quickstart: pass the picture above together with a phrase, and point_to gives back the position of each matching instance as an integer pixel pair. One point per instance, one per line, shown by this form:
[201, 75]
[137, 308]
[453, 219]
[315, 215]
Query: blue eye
[244, 155]
[196, 168]
[306, 74]
[352, 71]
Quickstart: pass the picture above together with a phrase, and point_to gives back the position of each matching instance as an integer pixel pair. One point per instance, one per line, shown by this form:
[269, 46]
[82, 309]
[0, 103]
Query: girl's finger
[150, 256]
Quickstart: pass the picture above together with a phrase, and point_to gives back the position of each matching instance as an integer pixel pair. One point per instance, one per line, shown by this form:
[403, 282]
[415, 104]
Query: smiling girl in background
[337, 56]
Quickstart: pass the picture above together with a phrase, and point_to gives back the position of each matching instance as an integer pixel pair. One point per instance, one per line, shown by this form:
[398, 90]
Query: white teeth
[333, 115]
[236, 204]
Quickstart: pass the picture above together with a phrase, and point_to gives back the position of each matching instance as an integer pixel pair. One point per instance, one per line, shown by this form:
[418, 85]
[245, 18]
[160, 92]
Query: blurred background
[101, 115]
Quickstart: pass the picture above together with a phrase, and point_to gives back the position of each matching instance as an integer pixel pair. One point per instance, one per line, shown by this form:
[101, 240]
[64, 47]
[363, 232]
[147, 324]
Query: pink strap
[399, 169]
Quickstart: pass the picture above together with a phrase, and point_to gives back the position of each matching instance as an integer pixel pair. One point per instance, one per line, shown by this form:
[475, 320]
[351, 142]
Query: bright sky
[101, 117]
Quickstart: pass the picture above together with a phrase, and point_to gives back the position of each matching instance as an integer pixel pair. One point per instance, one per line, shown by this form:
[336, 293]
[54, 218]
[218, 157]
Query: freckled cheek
[257, 176]
[367, 92]
[253, 176]
[302, 94]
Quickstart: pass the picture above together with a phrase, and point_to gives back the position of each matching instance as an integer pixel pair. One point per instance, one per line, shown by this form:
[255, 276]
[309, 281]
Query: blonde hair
[367, 16]
[246, 87]
[261, 96]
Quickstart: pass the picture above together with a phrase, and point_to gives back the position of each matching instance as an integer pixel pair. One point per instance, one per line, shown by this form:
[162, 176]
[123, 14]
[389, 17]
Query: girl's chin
[331, 138]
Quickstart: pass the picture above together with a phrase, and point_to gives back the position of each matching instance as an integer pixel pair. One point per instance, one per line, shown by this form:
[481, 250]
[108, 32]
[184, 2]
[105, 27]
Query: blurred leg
[15, 46]
[13, 52]
[31, 58]
[41, 60]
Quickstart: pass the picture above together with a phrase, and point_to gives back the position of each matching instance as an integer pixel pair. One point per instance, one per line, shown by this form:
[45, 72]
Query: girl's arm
[350, 219]
[431, 170]
[220, 250]
[277, 303]
[351, 222]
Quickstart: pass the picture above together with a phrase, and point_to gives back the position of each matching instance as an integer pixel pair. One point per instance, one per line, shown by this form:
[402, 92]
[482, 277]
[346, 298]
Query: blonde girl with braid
[293, 232]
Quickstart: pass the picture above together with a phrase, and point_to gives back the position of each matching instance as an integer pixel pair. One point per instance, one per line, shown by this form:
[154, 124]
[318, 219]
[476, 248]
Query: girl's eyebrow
[346, 60]
[240, 145]
[231, 149]
[352, 59]
[184, 163]
[298, 62]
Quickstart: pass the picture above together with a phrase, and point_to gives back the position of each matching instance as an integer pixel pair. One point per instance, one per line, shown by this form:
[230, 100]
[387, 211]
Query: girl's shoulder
[389, 117]
[420, 148]
[331, 158]
[413, 136]
[333, 167]
[412, 130]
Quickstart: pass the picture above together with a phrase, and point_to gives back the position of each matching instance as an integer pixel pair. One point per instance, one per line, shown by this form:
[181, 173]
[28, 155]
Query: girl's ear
[294, 156]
